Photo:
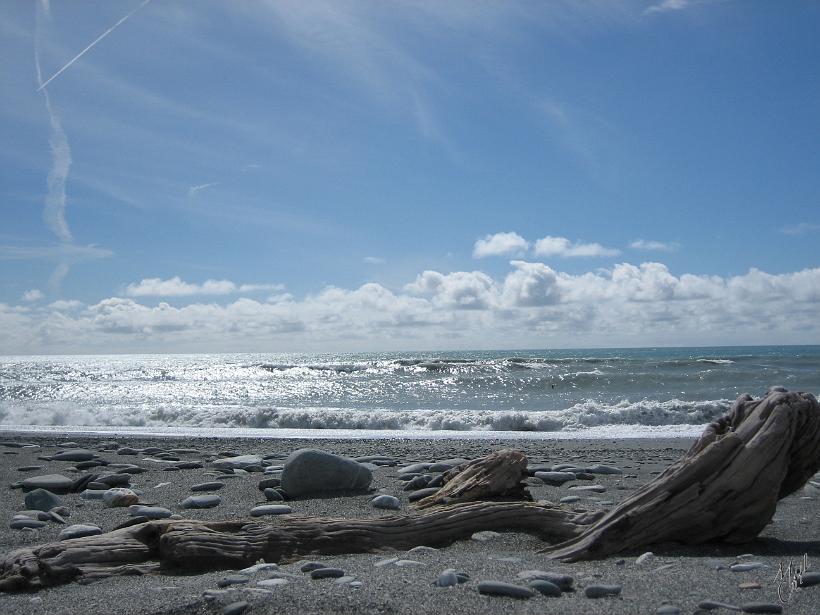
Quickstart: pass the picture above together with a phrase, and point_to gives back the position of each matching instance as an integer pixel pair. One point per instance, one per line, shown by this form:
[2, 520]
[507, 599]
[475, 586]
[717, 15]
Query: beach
[674, 576]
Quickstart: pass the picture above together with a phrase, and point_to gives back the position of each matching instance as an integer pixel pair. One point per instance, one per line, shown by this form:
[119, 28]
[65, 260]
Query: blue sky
[265, 176]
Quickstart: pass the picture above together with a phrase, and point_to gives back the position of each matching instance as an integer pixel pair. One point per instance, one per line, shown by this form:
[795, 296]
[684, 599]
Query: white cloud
[373, 260]
[804, 228]
[193, 190]
[530, 285]
[500, 244]
[64, 305]
[532, 306]
[463, 290]
[652, 245]
[63, 252]
[32, 295]
[561, 246]
[176, 287]
[665, 6]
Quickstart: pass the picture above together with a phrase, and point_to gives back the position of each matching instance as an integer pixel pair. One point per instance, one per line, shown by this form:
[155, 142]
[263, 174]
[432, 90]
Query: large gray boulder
[310, 472]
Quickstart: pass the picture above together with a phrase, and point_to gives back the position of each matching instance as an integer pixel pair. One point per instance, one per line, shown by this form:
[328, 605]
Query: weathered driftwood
[498, 476]
[725, 488]
[191, 546]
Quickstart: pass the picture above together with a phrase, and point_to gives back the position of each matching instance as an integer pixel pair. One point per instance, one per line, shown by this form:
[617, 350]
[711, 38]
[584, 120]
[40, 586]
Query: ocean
[618, 393]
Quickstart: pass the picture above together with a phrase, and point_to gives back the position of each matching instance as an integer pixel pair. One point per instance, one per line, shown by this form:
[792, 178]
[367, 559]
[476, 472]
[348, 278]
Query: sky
[271, 176]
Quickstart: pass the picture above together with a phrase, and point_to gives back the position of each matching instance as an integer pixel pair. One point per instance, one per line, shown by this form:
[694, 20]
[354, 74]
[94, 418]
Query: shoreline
[680, 575]
[608, 432]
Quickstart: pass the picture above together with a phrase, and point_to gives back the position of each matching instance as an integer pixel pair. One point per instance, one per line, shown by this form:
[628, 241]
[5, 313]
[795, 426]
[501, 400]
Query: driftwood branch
[192, 546]
[725, 488]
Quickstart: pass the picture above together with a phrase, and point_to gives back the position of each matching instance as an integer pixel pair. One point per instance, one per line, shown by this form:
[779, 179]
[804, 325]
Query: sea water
[532, 393]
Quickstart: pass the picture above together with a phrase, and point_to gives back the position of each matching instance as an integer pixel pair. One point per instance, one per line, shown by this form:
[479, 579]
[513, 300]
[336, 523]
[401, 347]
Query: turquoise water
[546, 391]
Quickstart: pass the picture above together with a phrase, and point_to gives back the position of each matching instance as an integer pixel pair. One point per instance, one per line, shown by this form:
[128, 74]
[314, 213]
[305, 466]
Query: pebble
[387, 502]
[311, 566]
[499, 588]
[235, 608]
[93, 494]
[749, 585]
[271, 509]
[593, 488]
[152, 512]
[26, 523]
[327, 573]
[186, 465]
[344, 580]
[807, 579]
[240, 462]
[233, 579]
[711, 605]
[308, 472]
[41, 499]
[747, 566]
[485, 536]
[555, 479]
[563, 581]
[78, 531]
[761, 607]
[419, 482]
[269, 483]
[127, 451]
[272, 495]
[114, 480]
[386, 562]
[77, 454]
[416, 467]
[569, 499]
[55, 483]
[272, 582]
[446, 578]
[668, 609]
[601, 591]
[211, 486]
[201, 501]
[29, 468]
[422, 493]
[545, 588]
[643, 559]
[403, 563]
[119, 497]
[602, 469]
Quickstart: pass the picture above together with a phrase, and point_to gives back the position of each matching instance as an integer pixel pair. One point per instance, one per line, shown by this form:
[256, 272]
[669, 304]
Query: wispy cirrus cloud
[66, 252]
[176, 287]
[803, 228]
[194, 190]
[666, 6]
[653, 245]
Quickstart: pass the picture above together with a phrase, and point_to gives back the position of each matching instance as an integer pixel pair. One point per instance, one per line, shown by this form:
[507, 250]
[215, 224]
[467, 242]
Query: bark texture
[193, 546]
[497, 476]
[725, 488]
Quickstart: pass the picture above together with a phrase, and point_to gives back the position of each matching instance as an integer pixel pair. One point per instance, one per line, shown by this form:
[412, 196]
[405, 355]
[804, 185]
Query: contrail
[94, 42]
[54, 212]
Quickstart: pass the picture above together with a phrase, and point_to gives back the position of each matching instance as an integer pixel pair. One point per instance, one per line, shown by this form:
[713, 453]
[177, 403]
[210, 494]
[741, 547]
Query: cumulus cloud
[500, 244]
[561, 246]
[32, 295]
[533, 305]
[652, 245]
[176, 287]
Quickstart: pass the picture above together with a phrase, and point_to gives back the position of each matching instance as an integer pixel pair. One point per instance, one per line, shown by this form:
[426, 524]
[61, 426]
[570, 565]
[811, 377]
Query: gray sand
[684, 576]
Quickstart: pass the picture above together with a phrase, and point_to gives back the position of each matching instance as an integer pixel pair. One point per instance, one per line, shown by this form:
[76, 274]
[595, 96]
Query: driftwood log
[725, 488]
